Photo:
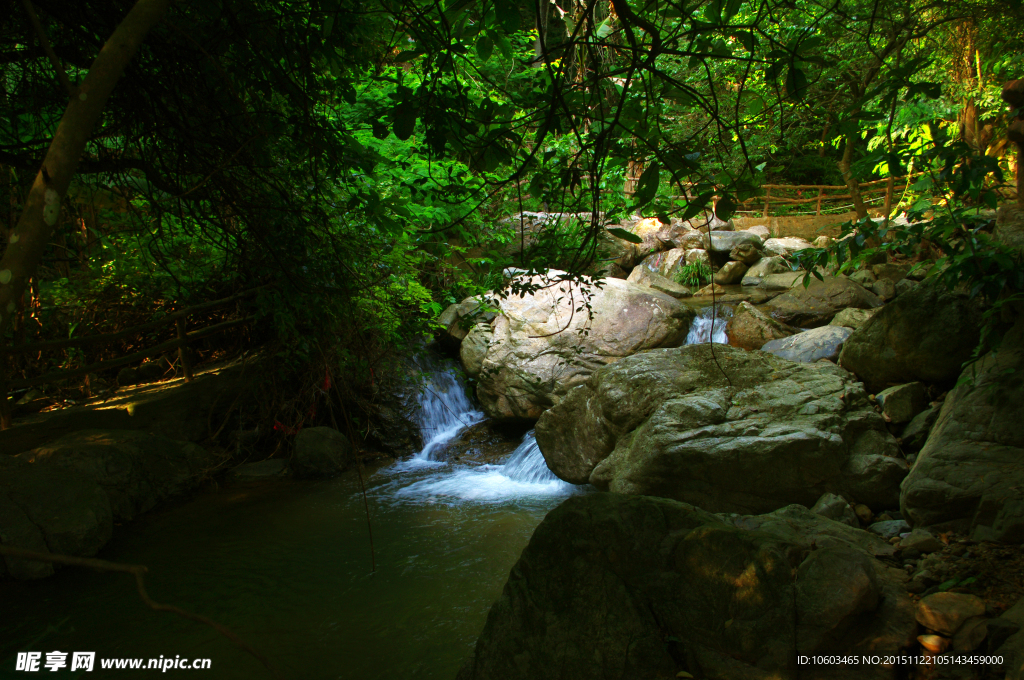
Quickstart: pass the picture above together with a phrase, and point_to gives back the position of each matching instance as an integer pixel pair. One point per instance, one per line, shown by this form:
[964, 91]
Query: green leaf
[625, 235]
[713, 12]
[403, 117]
[507, 13]
[796, 82]
[484, 47]
[726, 207]
[647, 187]
[504, 46]
[731, 8]
[747, 39]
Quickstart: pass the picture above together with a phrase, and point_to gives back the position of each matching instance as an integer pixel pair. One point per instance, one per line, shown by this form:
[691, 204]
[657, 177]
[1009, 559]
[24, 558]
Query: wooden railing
[825, 196]
[179, 343]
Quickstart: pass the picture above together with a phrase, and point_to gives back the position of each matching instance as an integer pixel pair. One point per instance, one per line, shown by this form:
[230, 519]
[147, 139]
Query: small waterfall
[527, 465]
[445, 411]
[522, 476]
[702, 331]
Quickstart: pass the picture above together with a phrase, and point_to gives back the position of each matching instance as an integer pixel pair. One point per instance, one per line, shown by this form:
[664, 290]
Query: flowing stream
[286, 565]
[709, 325]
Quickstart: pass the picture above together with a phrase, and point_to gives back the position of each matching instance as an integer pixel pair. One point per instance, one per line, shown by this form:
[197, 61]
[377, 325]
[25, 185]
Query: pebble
[934, 644]
[863, 513]
[910, 553]
[890, 528]
[922, 540]
[946, 612]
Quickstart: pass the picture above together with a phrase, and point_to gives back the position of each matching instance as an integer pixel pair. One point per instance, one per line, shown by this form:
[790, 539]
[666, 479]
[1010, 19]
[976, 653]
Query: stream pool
[286, 565]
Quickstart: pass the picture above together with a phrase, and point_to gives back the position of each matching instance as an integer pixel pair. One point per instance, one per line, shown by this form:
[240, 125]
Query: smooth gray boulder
[762, 268]
[750, 328]
[730, 273]
[725, 429]
[835, 508]
[474, 348]
[745, 253]
[320, 453]
[923, 335]
[815, 304]
[970, 473]
[813, 345]
[785, 246]
[725, 241]
[852, 318]
[642, 276]
[665, 263]
[456, 320]
[634, 587]
[915, 434]
[546, 343]
[782, 281]
[65, 497]
[901, 403]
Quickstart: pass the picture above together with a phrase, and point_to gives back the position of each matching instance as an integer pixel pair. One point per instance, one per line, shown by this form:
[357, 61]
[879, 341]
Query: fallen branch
[137, 570]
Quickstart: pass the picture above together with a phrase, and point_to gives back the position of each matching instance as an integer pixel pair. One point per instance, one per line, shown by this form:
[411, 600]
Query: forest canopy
[363, 156]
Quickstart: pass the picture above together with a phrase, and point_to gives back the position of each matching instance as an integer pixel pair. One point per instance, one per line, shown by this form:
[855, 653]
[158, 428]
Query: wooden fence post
[767, 200]
[186, 364]
[821, 192]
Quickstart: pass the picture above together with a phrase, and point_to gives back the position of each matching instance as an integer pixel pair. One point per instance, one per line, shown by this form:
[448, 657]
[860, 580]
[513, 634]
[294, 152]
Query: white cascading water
[445, 411]
[523, 475]
[706, 329]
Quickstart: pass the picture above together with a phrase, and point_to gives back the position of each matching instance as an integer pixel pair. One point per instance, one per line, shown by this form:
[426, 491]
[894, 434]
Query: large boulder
[813, 345]
[66, 496]
[926, 334]
[456, 320]
[764, 267]
[725, 429]
[474, 348]
[665, 263]
[970, 473]
[750, 328]
[627, 254]
[816, 304]
[725, 241]
[634, 587]
[852, 318]
[320, 453]
[730, 273]
[642, 276]
[546, 343]
[785, 246]
[1010, 227]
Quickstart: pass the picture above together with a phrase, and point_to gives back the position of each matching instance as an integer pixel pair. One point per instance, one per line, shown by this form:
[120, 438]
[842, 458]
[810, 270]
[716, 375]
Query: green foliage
[695, 274]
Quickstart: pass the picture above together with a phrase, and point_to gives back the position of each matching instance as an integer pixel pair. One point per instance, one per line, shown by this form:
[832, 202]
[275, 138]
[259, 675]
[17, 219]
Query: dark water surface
[286, 565]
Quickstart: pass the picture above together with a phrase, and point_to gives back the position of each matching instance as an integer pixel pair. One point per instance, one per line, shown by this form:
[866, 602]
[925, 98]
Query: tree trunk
[851, 181]
[38, 219]
[42, 207]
